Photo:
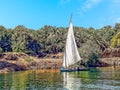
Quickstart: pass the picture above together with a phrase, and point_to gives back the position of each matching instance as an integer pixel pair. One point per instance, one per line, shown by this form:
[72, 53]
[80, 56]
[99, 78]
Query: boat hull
[73, 70]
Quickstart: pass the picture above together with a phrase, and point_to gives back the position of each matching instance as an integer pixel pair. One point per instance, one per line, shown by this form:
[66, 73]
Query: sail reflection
[70, 82]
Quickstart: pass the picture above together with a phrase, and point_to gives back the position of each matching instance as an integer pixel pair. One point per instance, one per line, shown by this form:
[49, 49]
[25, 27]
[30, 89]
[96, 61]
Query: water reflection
[104, 79]
[70, 83]
[31, 80]
[44, 79]
[78, 80]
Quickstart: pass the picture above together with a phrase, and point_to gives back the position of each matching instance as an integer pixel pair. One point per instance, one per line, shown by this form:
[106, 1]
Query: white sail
[71, 55]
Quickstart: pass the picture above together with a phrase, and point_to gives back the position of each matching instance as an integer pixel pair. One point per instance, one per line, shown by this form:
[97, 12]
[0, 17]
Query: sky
[35, 14]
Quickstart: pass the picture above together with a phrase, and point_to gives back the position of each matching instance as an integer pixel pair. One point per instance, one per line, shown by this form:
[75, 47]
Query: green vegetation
[47, 40]
[115, 41]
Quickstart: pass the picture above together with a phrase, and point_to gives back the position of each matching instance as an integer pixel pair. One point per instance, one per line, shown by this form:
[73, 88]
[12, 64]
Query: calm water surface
[107, 78]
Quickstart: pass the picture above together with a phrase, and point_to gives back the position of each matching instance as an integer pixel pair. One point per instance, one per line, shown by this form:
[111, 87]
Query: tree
[19, 38]
[115, 41]
[5, 39]
[32, 45]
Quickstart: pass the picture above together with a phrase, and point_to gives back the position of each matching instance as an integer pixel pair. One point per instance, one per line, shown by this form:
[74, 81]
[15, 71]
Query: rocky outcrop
[13, 62]
[8, 67]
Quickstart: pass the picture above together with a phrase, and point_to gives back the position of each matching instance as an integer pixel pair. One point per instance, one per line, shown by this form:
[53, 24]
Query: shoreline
[11, 62]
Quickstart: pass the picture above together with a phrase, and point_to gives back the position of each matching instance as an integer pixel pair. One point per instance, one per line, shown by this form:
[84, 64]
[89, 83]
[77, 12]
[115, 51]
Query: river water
[105, 78]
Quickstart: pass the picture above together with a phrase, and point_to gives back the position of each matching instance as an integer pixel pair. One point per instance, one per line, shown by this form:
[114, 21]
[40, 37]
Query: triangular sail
[71, 55]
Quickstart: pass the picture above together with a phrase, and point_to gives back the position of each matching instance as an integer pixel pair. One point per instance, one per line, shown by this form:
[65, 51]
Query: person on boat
[78, 68]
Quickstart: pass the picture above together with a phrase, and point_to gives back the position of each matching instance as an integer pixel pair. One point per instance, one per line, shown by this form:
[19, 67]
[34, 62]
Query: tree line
[51, 39]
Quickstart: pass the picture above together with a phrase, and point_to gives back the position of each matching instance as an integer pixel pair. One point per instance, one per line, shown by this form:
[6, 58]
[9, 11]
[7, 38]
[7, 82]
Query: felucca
[71, 54]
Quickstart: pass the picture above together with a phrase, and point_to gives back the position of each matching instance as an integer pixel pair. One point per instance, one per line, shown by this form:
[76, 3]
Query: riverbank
[10, 62]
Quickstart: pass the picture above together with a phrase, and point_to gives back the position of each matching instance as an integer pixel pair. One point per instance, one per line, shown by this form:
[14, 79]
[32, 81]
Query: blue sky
[37, 13]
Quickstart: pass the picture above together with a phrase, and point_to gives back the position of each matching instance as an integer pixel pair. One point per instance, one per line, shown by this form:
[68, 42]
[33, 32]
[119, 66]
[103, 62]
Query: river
[105, 78]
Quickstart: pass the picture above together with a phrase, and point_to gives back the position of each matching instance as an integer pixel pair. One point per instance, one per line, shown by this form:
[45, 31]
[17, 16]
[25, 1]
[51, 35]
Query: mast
[66, 41]
[70, 19]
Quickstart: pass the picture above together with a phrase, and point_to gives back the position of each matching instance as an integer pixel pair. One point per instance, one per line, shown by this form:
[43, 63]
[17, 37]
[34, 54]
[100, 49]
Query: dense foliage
[51, 39]
[115, 41]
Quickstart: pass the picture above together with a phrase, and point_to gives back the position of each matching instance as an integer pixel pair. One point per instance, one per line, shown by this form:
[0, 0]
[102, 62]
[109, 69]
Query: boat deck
[73, 70]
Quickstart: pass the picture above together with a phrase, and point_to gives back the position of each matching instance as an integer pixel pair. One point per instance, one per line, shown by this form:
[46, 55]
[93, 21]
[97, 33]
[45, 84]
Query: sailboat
[71, 54]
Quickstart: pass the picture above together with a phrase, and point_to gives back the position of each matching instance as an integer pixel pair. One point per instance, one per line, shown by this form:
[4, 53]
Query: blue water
[107, 78]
